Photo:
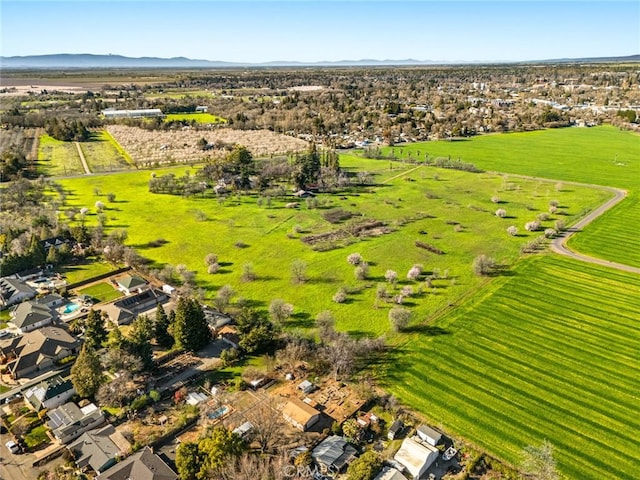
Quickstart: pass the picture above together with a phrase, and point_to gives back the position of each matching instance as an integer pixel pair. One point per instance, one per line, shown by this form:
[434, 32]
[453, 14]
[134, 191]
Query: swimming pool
[218, 412]
[70, 307]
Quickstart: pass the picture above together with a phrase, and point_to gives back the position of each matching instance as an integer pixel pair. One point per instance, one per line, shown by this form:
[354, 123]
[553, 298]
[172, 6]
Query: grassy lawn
[458, 218]
[197, 117]
[84, 271]
[57, 158]
[550, 352]
[103, 154]
[600, 155]
[103, 292]
[36, 437]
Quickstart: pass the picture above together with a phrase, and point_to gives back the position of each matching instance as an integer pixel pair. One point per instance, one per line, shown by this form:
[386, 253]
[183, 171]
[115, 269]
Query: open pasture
[600, 155]
[103, 154]
[450, 210]
[194, 117]
[57, 158]
[548, 353]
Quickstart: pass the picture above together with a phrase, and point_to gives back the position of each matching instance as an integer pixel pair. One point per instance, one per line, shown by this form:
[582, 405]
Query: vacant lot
[601, 155]
[549, 353]
[448, 210]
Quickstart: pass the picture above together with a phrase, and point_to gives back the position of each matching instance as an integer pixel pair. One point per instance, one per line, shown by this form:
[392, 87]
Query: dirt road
[82, 159]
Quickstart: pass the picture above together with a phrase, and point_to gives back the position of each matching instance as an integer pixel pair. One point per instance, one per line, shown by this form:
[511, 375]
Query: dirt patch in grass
[371, 228]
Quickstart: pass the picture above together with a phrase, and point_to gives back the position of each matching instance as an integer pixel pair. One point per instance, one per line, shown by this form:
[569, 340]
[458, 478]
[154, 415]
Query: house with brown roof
[37, 351]
[143, 465]
[99, 449]
[300, 415]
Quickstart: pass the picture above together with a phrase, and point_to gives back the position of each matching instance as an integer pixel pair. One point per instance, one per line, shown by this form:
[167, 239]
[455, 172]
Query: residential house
[389, 473]
[428, 434]
[300, 415]
[55, 242]
[130, 284]
[31, 315]
[202, 109]
[51, 300]
[143, 465]
[416, 456]
[50, 393]
[99, 449]
[395, 429]
[333, 454]
[69, 421]
[37, 351]
[14, 291]
[125, 310]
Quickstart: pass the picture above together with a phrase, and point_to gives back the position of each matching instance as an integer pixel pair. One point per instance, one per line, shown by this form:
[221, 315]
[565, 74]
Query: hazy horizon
[324, 31]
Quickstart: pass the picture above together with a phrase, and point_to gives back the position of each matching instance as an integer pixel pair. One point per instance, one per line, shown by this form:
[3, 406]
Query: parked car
[13, 447]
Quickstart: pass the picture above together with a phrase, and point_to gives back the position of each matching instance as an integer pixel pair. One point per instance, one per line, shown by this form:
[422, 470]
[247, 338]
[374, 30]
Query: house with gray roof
[51, 300]
[38, 351]
[129, 284]
[14, 291]
[333, 454]
[31, 315]
[50, 393]
[99, 449]
[69, 421]
[428, 434]
[143, 465]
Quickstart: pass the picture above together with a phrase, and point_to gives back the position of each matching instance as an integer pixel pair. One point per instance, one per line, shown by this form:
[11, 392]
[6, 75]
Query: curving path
[559, 244]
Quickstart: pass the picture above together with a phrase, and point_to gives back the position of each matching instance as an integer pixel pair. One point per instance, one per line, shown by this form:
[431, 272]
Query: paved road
[559, 244]
[82, 159]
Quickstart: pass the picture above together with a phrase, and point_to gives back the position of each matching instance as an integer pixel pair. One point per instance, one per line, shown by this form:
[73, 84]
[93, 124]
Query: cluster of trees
[67, 130]
[131, 357]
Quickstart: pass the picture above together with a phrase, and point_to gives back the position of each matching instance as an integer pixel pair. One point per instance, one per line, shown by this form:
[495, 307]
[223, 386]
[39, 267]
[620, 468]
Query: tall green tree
[95, 332]
[188, 460]
[240, 163]
[257, 333]
[216, 448]
[190, 329]
[161, 328]
[86, 373]
[366, 467]
[139, 340]
[307, 168]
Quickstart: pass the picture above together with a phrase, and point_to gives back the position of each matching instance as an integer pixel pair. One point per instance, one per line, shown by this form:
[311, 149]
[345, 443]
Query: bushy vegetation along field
[57, 158]
[600, 155]
[195, 117]
[102, 153]
[548, 353]
[448, 210]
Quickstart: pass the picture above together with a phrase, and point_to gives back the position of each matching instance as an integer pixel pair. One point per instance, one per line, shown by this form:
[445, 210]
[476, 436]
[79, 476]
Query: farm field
[103, 154]
[57, 158]
[196, 117]
[600, 155]
[548, 353]
[456, 217]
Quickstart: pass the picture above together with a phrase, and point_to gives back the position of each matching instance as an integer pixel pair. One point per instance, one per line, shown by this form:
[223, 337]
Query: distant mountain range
[79, 61]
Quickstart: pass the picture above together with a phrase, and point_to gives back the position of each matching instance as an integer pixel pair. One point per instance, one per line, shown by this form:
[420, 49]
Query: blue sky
[245, 31]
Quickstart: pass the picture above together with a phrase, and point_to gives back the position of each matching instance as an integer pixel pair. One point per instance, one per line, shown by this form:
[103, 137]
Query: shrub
[495, 199]
[362, 271]
[501, 212]
[560, 225]
[391, 276]
[340, 296]
[550, 233]
[139, 402]
[483, 265]
[414, 272]
[213, 268]
[512, 230]
[399, 318]
[543, 217]
[532, 226]
[354, 259]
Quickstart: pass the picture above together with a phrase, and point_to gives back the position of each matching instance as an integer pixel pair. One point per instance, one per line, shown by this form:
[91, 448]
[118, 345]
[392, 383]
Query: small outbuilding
[300, 415]
[306, 387]
[395, 429]
[428, 434]
[416, 456]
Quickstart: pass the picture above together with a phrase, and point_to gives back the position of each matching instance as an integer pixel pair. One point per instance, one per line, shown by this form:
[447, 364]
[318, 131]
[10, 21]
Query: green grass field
[83, 271]
[459, 219]
[196, 117]
[103, 154]
[103, 292]
[57, 158]
[600, 155]
[548, 353]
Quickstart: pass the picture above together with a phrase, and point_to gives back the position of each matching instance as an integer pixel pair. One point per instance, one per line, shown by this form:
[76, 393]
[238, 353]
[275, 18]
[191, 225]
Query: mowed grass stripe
[508, 346]
[509, 423]
[543, 379]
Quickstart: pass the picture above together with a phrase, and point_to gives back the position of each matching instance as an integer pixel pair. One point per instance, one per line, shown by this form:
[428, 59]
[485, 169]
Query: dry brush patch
[148, 148]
